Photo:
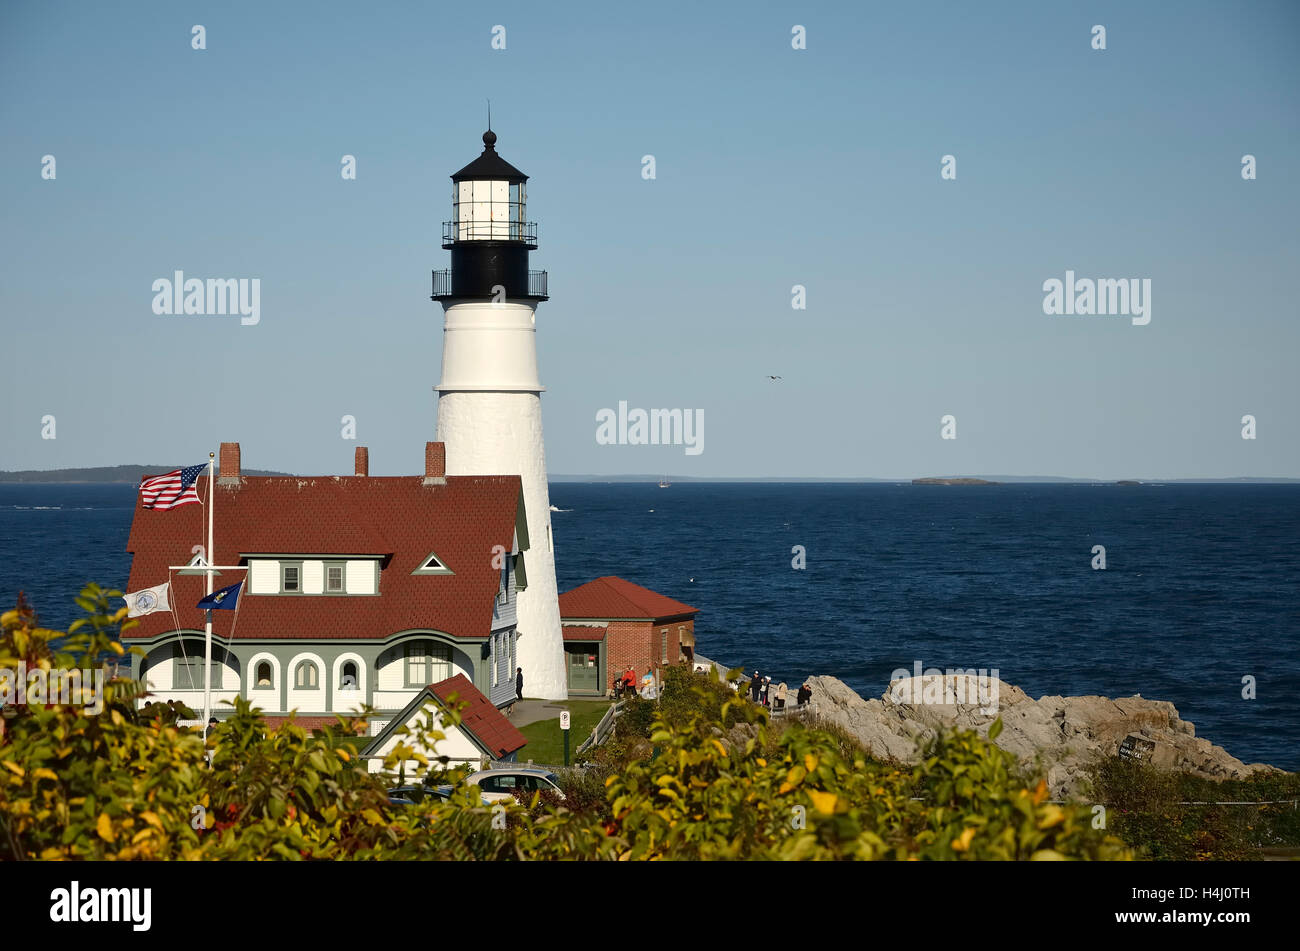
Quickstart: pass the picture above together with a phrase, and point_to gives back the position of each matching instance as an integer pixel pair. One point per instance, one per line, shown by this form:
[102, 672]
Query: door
[583, 674]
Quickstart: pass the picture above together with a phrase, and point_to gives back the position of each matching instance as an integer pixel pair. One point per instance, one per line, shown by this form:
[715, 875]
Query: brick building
[610, 625]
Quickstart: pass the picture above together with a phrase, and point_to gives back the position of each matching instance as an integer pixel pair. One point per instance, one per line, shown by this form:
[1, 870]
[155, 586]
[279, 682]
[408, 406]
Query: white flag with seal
[148, 601]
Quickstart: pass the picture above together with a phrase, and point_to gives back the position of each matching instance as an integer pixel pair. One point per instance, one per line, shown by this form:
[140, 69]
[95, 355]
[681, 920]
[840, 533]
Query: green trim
[378, 643]
[408, 712]
[521, 523]
[426, 632]
[342, 566]
[423, 568]
[187, 661]
[309, 556]
[285, 566]
[307, 663]
[521, 576]
[198, 560]
[253, 679]
[655, 622]
[429, 660]
[602, 674]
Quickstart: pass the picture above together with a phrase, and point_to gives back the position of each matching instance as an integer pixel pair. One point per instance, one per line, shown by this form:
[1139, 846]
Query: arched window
[348, 678]
[304, 676]
[264, 674]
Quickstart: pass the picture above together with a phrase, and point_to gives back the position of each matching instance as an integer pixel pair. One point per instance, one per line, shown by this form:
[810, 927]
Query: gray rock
[1059, 738]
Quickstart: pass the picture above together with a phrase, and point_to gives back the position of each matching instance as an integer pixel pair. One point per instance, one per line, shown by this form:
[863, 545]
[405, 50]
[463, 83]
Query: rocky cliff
[1056, 737]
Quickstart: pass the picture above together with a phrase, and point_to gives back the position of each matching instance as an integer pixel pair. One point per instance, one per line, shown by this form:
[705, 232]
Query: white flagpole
[207, 637]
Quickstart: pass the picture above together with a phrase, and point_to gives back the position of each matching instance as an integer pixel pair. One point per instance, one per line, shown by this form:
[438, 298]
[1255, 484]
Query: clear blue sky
[775, 167]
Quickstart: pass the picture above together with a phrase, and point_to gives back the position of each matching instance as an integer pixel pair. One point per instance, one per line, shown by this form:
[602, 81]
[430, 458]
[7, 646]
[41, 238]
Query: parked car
[410, 795]
[499, 784]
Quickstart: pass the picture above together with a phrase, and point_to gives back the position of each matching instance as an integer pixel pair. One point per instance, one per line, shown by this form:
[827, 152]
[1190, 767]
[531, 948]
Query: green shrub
[1161, 812]
[128, 785]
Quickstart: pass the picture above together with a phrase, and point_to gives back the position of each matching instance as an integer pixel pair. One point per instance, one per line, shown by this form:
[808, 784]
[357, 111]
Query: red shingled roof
[577, 632]
[611, 597]
[399, 518]
[485, 722]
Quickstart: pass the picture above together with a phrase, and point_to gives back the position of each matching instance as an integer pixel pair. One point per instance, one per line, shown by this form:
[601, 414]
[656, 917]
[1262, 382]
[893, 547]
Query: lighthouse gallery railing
[442, 286]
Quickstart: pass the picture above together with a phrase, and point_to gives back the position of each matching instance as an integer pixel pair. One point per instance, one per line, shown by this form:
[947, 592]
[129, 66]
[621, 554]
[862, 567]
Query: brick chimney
[435, 463]
[228, 464]
[363, 461]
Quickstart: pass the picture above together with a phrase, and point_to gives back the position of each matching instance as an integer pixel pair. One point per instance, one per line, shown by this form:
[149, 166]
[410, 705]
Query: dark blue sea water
[1202, 585]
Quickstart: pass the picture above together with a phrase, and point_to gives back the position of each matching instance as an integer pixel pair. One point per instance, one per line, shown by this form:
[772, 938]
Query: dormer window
[432, 565]
[198, 561]
[334, 578]
[290, 578]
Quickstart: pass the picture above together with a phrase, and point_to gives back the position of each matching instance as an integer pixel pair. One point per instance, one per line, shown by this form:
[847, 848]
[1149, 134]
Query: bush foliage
[1181, 817]
[718, 782]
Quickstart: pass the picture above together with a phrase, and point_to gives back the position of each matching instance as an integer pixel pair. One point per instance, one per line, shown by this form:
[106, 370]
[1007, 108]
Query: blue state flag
[223, 600]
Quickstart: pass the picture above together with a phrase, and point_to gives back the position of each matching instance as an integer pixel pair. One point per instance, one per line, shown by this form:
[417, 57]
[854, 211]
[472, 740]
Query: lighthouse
[490, 395]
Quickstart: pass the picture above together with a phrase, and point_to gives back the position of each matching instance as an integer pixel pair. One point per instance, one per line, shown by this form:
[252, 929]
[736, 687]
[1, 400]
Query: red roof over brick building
[612, 597]
[612, 625]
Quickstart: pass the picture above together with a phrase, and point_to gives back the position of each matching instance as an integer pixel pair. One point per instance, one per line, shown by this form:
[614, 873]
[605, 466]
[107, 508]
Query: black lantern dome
[489, 235]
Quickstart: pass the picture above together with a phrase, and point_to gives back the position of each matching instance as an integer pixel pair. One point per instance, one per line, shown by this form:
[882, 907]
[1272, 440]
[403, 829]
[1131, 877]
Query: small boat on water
[664, 483]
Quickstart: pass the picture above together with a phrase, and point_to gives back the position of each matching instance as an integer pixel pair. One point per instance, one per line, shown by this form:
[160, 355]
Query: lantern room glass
[488, 210]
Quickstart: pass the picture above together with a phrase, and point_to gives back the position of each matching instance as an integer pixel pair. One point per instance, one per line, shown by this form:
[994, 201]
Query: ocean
[1200, 588]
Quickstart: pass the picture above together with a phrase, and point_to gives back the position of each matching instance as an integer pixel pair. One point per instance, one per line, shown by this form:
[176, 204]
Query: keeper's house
[359, 590]
[610, 625]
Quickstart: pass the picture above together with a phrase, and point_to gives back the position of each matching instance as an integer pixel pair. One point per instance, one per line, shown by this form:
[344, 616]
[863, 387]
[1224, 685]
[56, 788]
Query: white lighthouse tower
[489, 399]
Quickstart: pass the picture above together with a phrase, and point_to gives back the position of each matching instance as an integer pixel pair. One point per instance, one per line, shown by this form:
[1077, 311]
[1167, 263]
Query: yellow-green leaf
[823, 801]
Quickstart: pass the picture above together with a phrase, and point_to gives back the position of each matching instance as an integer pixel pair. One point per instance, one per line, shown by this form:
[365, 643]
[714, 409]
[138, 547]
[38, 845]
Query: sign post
[564, 727]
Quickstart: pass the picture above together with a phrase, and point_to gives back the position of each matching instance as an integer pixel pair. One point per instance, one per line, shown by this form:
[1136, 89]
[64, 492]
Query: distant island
[933, 481]
[107, 474]
[133, 475]
[652, 480]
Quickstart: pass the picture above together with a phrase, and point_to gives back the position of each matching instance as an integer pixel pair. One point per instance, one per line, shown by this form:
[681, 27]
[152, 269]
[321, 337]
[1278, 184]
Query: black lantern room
[489, 235]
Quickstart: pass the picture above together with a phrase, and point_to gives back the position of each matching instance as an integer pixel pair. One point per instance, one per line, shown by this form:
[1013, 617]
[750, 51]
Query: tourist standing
[805, 694]
[781, 695]
[754, 687]
[519, 683]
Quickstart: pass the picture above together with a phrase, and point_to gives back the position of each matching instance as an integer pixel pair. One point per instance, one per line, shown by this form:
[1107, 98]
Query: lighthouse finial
[489, 137]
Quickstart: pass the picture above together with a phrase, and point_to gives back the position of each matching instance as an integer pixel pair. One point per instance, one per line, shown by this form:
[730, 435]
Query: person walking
[519, 683]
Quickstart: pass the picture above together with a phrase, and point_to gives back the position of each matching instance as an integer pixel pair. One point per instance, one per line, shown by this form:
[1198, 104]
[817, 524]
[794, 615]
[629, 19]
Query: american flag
[171, 490]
